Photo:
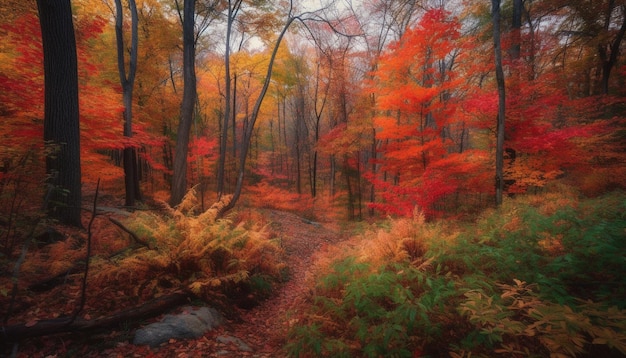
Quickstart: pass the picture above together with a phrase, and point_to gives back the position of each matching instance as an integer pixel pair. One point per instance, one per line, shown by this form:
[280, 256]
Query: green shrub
[373, 313]
[566, 261]
[518, 322]
[572, 253]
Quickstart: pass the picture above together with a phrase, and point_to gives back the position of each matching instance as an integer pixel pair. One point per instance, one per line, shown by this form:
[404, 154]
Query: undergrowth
[211, 257]
[234, 260]
[541, 276]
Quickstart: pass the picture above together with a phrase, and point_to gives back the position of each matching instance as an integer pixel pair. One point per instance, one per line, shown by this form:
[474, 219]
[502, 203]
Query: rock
[191, 323]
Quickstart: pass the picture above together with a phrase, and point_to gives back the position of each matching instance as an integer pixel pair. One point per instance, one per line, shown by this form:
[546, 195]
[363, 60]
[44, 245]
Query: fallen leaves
[258, 332]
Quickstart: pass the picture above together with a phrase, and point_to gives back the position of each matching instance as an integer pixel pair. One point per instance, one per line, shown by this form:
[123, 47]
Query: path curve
[264, 328]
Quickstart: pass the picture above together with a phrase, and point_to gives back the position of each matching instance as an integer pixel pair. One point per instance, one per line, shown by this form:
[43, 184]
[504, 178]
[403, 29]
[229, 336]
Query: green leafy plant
[373, 312]
[519, 322]
[541, 276]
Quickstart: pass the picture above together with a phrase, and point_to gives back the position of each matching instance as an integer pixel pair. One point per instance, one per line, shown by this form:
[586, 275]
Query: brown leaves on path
[265, 327]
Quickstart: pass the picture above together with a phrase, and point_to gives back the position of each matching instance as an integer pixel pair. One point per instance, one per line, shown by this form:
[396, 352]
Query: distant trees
[248, 128]
[345, 117]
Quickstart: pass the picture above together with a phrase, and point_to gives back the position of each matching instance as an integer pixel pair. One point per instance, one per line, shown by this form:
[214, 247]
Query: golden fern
[200, 252]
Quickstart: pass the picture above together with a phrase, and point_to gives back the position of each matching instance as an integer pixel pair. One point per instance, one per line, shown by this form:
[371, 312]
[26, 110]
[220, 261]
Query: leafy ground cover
[542, 276]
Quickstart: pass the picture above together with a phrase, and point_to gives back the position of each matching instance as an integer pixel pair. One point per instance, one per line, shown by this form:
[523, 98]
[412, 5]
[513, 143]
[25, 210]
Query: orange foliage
[265, 195]
[424, 135]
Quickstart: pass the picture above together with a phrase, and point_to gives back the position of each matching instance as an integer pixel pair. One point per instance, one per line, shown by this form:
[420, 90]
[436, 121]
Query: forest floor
[265, 327]
[258, 332]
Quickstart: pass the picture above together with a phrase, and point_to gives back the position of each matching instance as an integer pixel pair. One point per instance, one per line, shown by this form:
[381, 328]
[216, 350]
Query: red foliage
[423, 155]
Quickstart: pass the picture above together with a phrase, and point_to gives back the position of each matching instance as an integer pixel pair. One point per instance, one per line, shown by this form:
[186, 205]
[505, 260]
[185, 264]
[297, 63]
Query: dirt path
[264, 328]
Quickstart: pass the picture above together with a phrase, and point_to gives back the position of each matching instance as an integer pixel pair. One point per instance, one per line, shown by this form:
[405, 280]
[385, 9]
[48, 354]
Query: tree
[61, 117]
[319, 100]
[179, 177]
[424, 156]
[495, 14]
[131, 179]
[381, 22]
[599, 28]
[233, 9]
[248, 129]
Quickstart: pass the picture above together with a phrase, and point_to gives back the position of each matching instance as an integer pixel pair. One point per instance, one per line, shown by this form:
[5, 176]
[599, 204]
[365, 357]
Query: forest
[336, 178]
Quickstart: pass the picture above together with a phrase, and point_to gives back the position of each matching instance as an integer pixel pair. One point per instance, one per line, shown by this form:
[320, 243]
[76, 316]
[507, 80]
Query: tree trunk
[516, 29]
[131, 178]
[61, 115]
[18, 332]
[609, 58]
[346, 174]
[495, 13]
[333, 170]
[249, 129]
[233, 9]
[179, 177]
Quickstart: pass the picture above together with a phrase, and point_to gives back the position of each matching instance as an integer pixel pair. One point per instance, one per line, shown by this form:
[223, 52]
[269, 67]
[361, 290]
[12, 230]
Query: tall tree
[609, 49]
[61, 115]
[233, 10]
[319, 100]
[248, 129]
[131, 179]
[179, 177]
[495, 16]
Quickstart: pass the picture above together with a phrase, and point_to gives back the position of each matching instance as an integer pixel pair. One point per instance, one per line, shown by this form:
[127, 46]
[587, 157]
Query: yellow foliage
[558, 197]
[552, 244]
[56, 258]
[198, 251]
[403, 240]
[407, 239]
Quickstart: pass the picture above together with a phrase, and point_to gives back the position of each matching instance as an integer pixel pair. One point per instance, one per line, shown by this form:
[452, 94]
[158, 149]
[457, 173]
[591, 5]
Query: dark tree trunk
[61, 119]
[517, 28]
[609, 53]
[131, 177]
[233, 9]
[495, 13]
[179, 177]
[351, 200]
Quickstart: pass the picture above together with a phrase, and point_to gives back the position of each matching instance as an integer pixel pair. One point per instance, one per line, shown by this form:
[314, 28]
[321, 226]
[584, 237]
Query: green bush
[571, 254]
[535, 278]
[373, 313]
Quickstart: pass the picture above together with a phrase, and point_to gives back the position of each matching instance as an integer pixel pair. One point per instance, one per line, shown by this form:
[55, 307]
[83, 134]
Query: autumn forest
[338, 178]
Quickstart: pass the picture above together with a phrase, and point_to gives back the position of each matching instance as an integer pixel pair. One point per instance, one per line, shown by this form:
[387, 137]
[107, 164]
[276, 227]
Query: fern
[381, 311]
[197, 251]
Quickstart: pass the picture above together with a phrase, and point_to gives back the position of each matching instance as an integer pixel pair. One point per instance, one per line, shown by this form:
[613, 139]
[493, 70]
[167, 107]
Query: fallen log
[17, 332]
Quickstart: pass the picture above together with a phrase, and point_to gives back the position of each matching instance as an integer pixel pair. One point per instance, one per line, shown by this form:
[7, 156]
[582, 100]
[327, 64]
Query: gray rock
[191, 323]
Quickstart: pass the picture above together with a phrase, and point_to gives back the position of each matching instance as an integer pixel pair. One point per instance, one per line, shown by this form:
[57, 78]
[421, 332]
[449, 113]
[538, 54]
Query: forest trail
[258, 332]
[264, 328]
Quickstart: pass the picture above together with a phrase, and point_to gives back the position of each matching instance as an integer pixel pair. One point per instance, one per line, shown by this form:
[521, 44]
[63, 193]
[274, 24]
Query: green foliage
[542, 276]
[373, 312]
[520, 322]
[570, 253]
